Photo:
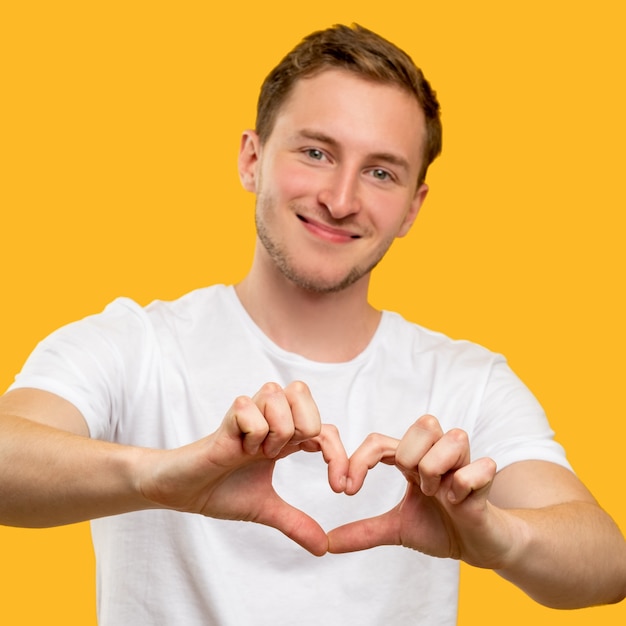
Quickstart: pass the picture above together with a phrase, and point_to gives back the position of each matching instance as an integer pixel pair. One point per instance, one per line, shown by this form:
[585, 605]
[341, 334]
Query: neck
[325, 327]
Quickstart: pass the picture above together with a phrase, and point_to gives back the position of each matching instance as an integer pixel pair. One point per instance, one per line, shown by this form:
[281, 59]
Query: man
[109, 419]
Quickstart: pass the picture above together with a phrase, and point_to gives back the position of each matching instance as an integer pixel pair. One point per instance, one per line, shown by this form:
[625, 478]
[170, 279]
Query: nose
[340, 193]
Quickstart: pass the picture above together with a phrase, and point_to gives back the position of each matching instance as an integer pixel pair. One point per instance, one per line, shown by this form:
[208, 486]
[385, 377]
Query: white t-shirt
[165, 375]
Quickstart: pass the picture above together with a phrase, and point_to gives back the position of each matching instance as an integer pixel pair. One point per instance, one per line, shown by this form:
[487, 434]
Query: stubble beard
[310, 282]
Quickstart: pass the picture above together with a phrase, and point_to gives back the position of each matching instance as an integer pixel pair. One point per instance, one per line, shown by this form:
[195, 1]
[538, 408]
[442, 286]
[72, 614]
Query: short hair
[363, 52]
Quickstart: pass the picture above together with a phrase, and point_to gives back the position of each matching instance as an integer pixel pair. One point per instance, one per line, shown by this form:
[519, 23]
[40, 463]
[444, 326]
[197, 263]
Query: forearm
[50, 477]
[572, 555]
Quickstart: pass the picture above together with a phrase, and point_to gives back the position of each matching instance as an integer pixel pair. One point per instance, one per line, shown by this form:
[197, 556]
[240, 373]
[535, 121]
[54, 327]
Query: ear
[414, 209]
[249, 154]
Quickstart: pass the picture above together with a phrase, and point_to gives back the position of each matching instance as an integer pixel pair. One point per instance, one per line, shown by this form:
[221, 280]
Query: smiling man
[167, 424]
[337, 180]
[344, 158]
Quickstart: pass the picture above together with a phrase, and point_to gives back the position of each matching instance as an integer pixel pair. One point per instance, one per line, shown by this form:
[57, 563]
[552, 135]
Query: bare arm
[52, 473]
[572, 554]
[533, 522]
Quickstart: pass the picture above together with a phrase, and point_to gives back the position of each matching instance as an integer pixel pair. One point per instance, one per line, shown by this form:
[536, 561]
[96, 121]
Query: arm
[573, 554]
[52, 473]
[533, 522]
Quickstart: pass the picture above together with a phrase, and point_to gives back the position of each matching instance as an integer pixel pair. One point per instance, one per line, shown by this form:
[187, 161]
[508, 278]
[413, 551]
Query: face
[336, 181]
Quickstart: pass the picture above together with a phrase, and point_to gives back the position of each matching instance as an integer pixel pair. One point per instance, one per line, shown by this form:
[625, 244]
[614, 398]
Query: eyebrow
[387, 157]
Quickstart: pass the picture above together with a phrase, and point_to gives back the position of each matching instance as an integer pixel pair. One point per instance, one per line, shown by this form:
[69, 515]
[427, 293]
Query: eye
[380, 174]
[314, 153]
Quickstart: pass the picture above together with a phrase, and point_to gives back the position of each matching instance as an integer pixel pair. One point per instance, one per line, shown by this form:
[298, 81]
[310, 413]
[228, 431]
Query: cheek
[389, 212]
[289, 180]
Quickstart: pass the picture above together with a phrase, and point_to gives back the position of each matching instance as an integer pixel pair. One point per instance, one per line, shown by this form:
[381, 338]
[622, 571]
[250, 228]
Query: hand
[445, 511]
[228, 475]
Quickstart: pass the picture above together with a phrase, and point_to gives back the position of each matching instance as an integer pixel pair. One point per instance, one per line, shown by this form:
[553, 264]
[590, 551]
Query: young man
[109, 419]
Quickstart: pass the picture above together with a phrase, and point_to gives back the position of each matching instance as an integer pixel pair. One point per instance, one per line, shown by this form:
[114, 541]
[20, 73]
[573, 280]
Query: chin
[300, 273]
[319, 284]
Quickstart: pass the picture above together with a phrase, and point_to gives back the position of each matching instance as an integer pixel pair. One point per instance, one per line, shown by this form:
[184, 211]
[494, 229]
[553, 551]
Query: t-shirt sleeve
[512, 426]
[94, 363]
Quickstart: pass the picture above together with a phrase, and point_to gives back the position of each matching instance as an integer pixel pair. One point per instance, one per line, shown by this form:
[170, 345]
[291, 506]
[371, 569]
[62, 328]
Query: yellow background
[118, 142]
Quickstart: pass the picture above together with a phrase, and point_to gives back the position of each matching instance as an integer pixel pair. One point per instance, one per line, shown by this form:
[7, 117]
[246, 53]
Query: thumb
[381, 530]
[295, 524]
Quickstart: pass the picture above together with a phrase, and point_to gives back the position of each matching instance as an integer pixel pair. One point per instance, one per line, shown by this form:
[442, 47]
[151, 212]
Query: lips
[327, 232]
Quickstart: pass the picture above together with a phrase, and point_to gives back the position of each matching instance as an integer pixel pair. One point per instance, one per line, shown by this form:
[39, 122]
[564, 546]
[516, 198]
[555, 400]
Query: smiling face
[336, 181]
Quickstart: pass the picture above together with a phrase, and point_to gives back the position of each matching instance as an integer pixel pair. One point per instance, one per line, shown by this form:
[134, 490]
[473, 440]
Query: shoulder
[124, 316]
[192, 307]
[409, 338]
[126, 327]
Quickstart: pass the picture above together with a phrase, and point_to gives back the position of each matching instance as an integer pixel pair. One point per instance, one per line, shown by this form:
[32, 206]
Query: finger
[305, 414]
[334, 453]
[245, 422]
[376, 448]
[473, 479]
[416, 443]
[295, 524]
[364, 534]
[329, 443]
[450, 453]
[274, 406]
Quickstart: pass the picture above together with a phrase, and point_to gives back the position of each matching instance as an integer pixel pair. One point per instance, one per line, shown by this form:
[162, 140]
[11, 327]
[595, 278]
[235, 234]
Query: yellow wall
[118, 142]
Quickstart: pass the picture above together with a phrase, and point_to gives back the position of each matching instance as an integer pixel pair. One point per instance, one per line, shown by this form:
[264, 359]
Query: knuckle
[429, 422]
[307, 433]
[241, 403]
[299, 388]
[488, 464]
[329, 429]
[270, 388]
[375, 441]
[459, 436]
[323, 432]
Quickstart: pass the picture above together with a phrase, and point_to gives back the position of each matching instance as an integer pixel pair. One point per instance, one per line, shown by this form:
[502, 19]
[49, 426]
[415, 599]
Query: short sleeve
[512, 425]
[95, 364]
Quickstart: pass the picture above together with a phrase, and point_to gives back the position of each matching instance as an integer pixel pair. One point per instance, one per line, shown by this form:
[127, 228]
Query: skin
[336, 184]
[351, 193]
[226, 475]
[516, 521]
[519, 522]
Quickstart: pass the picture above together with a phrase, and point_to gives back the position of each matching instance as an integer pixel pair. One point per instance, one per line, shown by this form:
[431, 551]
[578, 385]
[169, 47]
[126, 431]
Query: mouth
[329, 233]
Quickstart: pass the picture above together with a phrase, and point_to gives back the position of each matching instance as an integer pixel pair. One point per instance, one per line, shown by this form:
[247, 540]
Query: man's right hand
[228, 475]
[52, 473]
